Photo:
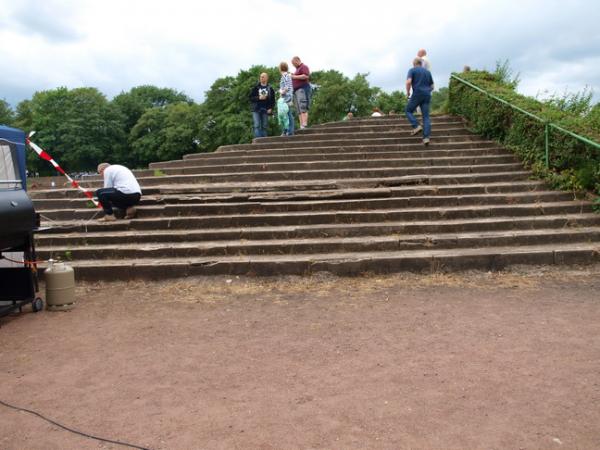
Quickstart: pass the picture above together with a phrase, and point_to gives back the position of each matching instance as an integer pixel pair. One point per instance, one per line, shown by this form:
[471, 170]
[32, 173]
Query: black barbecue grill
[18, 223]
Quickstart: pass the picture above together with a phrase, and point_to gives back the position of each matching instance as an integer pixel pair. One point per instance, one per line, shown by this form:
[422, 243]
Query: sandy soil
[478, 360]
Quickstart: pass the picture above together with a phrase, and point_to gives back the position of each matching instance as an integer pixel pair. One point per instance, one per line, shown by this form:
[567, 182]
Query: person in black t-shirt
[262, 98]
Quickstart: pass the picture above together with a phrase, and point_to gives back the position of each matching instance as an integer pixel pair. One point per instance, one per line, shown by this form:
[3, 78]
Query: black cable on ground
[89, 436]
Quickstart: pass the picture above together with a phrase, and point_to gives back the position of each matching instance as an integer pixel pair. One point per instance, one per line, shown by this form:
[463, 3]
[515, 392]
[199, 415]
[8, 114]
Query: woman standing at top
[287, 93]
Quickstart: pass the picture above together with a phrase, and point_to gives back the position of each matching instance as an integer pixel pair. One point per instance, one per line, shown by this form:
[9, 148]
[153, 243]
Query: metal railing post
[546, 143]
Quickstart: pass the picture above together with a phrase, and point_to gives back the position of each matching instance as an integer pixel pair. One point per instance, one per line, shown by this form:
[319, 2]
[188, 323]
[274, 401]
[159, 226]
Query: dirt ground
[474, 361]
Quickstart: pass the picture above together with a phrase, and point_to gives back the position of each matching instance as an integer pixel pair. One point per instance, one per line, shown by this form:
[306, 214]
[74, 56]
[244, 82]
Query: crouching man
[121, 190]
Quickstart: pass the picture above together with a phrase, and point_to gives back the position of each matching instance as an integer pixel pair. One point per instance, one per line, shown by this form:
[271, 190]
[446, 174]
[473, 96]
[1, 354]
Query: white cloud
[115, 45]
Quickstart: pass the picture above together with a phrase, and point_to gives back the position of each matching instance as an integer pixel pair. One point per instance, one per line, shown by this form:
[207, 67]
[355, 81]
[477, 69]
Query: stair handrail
[547, 124]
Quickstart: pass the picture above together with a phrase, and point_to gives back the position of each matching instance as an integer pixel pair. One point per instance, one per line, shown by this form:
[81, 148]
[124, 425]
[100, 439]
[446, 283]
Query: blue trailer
[18, 223]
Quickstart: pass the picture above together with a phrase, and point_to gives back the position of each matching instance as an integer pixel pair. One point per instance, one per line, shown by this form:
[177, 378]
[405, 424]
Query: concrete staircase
[350, 197]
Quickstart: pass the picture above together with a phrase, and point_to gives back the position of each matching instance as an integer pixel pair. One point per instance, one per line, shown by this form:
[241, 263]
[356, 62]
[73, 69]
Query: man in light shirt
[121, 190]
[423, 55]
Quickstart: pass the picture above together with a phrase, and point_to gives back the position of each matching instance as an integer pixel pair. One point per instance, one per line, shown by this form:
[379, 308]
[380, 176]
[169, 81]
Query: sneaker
[416, 130]
[107, 218]
[426, 141]
[130, 213]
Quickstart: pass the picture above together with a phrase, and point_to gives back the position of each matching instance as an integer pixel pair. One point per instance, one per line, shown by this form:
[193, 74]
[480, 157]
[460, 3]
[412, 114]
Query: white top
[122, 179]
[426, 63]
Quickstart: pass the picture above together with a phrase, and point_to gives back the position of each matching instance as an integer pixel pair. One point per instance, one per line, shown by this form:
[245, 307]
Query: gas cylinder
[60, 286]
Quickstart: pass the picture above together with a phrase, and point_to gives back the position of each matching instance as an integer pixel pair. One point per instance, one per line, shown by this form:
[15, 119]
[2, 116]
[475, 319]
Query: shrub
[573, 164]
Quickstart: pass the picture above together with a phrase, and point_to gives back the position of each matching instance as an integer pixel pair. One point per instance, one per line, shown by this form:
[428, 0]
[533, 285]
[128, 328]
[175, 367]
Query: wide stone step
[307, 185]
[354, 148]
[488, 258]
[324, 245]
[373, 141]
[337, 216]
[250, 207]
[446, 131]
[398, 120]
[211, 159]
[188, 195]
[343, 164]
[110, 235]
[382, 128]
[320, 175]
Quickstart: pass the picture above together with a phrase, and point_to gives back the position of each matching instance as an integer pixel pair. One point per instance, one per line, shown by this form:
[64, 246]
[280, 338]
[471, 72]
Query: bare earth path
[478, 360]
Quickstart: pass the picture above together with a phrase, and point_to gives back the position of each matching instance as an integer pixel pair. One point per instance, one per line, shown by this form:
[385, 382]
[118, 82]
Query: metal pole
[546, 139]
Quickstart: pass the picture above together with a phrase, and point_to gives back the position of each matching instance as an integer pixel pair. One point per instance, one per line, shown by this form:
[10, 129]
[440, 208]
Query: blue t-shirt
[421, 80]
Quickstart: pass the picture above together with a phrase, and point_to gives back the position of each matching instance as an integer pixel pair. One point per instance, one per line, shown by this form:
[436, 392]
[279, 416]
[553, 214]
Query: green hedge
[573, 165]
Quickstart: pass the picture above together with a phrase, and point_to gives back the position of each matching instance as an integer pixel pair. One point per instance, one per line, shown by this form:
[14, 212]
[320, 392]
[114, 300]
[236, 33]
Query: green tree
[593, 117]
[439, 100]
[166, 133]
[6, 113]
[577, 104]
[141, 98]
[78, 127]
[336, 95]
[504, 74]
[394, 101]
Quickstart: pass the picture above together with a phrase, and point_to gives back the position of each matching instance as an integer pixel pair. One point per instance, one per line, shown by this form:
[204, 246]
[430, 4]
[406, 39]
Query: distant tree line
[81, 127]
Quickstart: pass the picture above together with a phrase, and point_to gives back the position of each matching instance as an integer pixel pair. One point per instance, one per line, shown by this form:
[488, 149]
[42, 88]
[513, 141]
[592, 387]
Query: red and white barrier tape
[27, 263]
[42, 154]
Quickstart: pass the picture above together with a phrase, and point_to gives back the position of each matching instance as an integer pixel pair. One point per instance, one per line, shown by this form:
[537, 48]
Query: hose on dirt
[71, 430]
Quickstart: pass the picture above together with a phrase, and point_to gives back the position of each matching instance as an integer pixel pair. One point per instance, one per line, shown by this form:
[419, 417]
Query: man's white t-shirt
[426, 63]
[122, 179]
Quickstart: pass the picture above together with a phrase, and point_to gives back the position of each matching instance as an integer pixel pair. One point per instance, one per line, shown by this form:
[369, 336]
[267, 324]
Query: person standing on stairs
[423, 55]
[262, 98]
[121, 190]
[302, 90]
[286, 89]
[420, 81]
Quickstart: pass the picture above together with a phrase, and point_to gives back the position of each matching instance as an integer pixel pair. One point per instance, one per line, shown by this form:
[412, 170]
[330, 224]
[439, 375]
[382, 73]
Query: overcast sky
[115, 45]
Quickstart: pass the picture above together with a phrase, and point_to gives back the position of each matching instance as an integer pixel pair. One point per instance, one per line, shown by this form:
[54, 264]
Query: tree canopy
[79, 127]
[165, 133]
[7, 115]
[141, 98]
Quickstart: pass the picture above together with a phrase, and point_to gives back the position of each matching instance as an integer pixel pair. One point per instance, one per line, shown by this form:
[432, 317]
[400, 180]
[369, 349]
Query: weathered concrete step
[489, 258]
[74, 193]
[310, 185]
[445, 132]
[253, 207]
[198, 209]
[352, 216]
[223, 158]
[189, 195]
[373, 141]
[321, 175]
[343, 164]
[113, 236]
[370, 128]
[400, 120]
[355, 148]
[365, 204]
[324, 245]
